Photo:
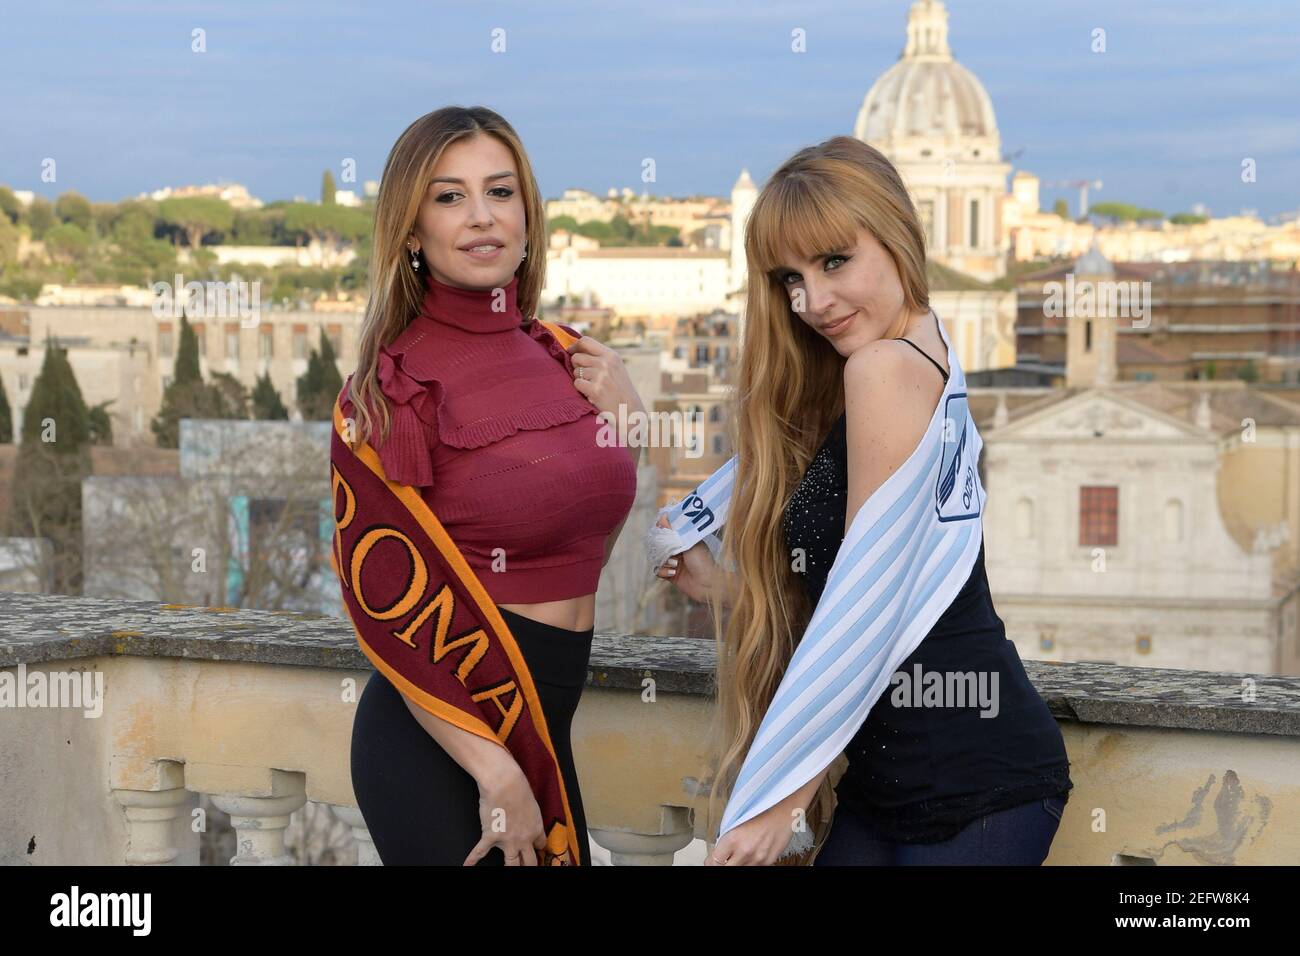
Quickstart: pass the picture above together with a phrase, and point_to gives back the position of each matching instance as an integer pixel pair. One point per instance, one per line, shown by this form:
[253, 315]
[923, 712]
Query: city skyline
[128, 108]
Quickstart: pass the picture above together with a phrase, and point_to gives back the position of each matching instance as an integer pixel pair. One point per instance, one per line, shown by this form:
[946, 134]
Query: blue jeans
[1017, 836]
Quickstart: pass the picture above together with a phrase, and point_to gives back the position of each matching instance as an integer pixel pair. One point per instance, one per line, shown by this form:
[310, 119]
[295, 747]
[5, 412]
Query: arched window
[1173, 520]
[1024, 519]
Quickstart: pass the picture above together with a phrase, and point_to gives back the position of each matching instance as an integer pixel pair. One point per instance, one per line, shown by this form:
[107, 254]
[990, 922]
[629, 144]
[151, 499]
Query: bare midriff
[572, 614]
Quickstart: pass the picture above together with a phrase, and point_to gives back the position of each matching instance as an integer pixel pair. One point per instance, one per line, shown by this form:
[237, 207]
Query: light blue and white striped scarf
[906, 556]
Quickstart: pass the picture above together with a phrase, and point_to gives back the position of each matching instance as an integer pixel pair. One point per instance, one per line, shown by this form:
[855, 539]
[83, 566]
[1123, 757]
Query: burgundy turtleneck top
[489, 427]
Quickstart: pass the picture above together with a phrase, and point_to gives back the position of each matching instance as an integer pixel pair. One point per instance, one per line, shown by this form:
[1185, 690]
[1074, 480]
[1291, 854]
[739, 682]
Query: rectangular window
[201, 338]
[232, 342]
[165, 340]
[1098, 515]
[974, 223]
[264, 342]
[299, 341]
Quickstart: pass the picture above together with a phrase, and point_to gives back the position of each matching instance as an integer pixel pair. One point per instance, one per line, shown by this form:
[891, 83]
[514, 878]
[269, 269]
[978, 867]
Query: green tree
[253, 228]
[101, 424]
[20, 287]
[52, 461]
[74, 208]
[6, 417]
[266, 401]
[1124, 212]
[197, 216]
[1061, 208]
[102, 215]
[227, 397]
[9, 237]
[66, 243]
[9, 205]
[188, 396]
[327, 189]
[133, 220]
[186, 368]
[329, 225]
[319, 386]
[40, 216]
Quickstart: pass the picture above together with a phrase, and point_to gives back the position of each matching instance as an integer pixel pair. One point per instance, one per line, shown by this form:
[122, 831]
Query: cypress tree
[320, 384]
[6, 417]
[267, 405]
[53, 458]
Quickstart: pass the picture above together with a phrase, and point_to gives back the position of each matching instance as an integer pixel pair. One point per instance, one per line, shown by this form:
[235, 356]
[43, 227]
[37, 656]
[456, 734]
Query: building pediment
[1096, 414]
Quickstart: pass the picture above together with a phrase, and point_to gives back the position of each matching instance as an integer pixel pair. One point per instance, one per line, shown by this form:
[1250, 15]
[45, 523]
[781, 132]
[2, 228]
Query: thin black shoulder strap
[922, 351]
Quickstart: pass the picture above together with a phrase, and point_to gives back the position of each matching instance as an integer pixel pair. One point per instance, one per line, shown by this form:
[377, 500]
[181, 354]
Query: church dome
[927, 101]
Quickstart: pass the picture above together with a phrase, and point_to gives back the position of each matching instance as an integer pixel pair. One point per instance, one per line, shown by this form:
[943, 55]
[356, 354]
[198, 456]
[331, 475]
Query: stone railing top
[40, 628]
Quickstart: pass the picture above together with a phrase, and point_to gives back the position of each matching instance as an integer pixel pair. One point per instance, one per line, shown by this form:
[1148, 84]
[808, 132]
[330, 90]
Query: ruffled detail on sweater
[541, 333]
[407, 453]
[421, 419]
[488, 430]
[560, 411]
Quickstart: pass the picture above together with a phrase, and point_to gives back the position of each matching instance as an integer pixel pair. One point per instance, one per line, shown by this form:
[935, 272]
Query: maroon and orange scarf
[428, 625]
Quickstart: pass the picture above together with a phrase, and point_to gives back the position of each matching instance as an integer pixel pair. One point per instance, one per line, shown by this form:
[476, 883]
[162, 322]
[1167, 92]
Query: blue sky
[287, 89]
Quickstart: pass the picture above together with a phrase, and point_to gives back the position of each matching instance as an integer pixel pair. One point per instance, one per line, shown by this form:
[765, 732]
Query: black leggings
[420, 806]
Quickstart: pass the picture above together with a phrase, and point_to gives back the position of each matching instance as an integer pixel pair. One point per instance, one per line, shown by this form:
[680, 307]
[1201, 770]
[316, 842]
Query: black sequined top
[920, 774]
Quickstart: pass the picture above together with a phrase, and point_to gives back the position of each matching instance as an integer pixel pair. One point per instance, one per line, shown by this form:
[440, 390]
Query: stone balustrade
[115, 716]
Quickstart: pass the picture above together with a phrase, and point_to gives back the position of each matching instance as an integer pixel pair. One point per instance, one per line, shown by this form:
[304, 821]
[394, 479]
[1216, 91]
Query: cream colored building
[656, 284]
[686, 215]
[116, 371]
[583, 206]
[1029, 234]
[935, 122]
[128, 355]
[94, 294]
[1143, 523]
[313, 255]
[981, 324]
[234, 193]
[1170, 587]
[647, 282]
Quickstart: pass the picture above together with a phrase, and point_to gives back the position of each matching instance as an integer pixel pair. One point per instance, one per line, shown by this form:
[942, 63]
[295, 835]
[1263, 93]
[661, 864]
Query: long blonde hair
[397, 290]
[790, 391]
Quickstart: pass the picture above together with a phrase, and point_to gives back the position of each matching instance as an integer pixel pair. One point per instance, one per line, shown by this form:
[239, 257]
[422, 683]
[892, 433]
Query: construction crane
[1083, 185]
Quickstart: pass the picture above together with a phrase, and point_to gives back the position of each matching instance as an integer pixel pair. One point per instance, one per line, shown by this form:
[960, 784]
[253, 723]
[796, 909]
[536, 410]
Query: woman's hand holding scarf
[764, 838]
[692, 571]
[510, 818]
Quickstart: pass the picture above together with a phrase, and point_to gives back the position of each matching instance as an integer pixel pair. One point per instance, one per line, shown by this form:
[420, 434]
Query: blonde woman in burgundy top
[468, 398]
